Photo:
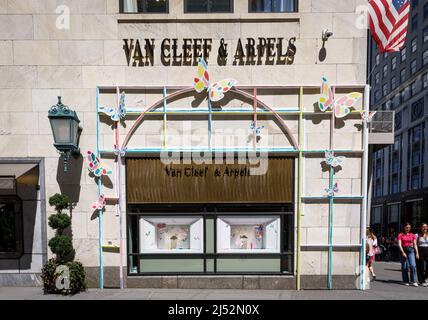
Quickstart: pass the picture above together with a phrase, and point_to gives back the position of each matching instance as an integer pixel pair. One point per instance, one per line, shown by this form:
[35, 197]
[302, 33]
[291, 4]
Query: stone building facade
[40, 59]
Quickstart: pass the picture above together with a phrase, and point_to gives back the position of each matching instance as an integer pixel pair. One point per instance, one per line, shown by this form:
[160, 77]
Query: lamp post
[66, 131]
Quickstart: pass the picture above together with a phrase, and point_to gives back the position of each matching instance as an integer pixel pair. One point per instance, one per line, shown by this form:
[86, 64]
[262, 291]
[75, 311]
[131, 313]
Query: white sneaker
[415, 284]
[424, 284]
[405, 284]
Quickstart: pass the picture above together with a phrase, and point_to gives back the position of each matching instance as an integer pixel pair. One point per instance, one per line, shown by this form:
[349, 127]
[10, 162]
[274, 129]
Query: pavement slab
[387, 286]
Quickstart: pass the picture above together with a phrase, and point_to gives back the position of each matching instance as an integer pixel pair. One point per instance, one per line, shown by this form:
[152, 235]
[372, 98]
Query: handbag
[377, 250]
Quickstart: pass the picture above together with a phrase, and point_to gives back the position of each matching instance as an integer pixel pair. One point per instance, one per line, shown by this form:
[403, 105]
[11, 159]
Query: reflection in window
[273, 6]
[206, 6]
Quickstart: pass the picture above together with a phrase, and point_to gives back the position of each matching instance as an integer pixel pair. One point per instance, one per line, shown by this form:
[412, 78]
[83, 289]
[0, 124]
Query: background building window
[414, 45]
[425, 34]
[403, 54]
[394, 63]
[208, 6]
[395, 166]
[403, 75]
[413, 67]
[379, 173]
[385, 71]
[425, 58]
[272, 5]
[413, 88]
[393, 219]
[385, 89]
[144, 6]
[377, 78]
[376, 217]
[425, 80]
[393, 83]
[418, 110]
[398, 121]
[416, 157]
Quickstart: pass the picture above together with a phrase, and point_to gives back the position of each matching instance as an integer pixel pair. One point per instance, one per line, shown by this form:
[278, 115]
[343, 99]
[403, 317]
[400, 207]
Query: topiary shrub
[54, 282]
[59, 202]
[59, 221]
[61, 245]
[59, 275]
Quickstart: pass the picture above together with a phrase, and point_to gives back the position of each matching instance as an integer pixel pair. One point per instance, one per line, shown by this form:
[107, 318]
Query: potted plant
[62, 274]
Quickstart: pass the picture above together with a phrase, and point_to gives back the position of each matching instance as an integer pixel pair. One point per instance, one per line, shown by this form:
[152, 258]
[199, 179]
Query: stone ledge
[20, 280]
[247, 282]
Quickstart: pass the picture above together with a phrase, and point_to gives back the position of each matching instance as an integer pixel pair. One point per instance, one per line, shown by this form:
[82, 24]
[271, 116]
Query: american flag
[389, 20]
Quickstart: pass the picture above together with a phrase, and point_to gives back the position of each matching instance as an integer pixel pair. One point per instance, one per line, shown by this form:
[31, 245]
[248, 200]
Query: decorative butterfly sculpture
[96, 166]
[116, 114]
[367, 119]
[258, 130]
[342, 106]
[332, 191]
[216, 90]
[118, 151]
[100, 204]
[333, 161]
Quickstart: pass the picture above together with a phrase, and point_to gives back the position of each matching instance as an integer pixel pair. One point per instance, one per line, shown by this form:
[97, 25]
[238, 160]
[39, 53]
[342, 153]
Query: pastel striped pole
[300, 208]
[364, 183]
[164, 116]
[100, 212]
[118, 186]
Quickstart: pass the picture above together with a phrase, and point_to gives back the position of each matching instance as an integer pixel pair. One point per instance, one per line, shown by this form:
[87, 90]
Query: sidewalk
[386, 287]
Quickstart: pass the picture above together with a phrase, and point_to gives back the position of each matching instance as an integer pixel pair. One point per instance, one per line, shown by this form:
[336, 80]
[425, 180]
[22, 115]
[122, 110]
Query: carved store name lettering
[186, 52]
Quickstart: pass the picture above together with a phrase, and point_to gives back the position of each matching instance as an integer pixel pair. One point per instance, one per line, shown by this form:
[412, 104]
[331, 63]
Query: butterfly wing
[122, 106]
[96, 166]
[342, 106]
[218, 89]
[326, 99]
[202, 81]
[337, 162]
[93, 161]
[108, 111]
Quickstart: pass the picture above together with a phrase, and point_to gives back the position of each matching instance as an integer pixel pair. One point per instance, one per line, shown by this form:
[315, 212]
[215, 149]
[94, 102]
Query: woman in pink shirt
[409, 253]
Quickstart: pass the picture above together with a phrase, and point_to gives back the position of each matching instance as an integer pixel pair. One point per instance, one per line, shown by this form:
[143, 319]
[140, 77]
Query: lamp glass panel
[61, 130]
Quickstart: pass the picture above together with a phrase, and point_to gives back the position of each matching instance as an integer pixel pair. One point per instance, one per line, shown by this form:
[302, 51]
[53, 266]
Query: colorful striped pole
[100, 212]
[119, 192]
[300, 208]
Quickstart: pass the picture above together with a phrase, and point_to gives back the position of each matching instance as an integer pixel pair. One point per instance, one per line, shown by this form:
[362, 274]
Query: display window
[248, 234]
[171, 235]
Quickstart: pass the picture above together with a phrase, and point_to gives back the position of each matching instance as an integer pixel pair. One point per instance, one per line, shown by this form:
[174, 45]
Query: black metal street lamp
[66, 130]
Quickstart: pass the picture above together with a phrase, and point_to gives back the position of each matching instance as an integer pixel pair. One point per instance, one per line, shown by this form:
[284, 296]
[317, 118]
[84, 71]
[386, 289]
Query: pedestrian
[422, 264]
[371, 250]
[409, 251]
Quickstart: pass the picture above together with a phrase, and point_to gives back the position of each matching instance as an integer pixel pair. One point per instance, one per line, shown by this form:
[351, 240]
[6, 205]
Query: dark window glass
[398, 121]
[10, 227]
[417, 110]
[273, 6]
[144, 6]
[204, 6]
[413, 67]
[415, 22]
[416, 157]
